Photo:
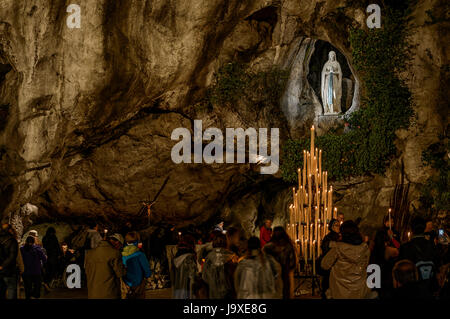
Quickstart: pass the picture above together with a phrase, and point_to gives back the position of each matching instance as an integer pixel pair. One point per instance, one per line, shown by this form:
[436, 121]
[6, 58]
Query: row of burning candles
[312, 207]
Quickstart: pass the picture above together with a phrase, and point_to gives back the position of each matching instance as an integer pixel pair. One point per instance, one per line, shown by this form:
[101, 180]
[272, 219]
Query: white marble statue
[331, 85]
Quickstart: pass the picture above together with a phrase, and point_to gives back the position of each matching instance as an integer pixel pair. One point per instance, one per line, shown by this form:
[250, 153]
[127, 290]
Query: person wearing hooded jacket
[216, 269]
[184, 269]
[137, 267]
[348, 260]
[258, 276]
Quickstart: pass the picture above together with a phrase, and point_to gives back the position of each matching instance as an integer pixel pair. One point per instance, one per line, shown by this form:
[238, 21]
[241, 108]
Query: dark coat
[411, 290]
[325, 245]
[419, 249]
[8, 254]
[51, 245]
[285, 256]
[33, 259]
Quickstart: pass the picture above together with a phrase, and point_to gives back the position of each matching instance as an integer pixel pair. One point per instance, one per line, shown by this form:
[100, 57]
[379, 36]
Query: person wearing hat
[104, 269]
[117, 241]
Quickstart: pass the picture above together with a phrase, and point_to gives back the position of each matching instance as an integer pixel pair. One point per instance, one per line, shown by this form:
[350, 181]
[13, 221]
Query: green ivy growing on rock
[366, 144]
[234, 84]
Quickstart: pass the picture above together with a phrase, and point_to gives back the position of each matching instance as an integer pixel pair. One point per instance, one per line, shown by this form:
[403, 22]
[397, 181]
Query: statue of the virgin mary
[331, 85]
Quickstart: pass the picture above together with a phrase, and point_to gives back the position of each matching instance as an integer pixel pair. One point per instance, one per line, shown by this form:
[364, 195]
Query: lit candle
[320, 166]
[390, 228]
[409, 235]
[312, 139]
[304, 167]
[299, 178]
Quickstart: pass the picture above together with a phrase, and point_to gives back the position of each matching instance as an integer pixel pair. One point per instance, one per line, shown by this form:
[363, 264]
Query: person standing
[214, 269]
[385, 253]
[8, 259]
[258, 276]
[104, 269]
[282, 249]
[137, 266]
[422, 252]
[406, 282]
[234, 241]
[184, 269]
[340, 218]
[265, 232]
[332, 236]
[53, 250]
[33, 259]
[93, 237]
[66, 258]
[348, 260]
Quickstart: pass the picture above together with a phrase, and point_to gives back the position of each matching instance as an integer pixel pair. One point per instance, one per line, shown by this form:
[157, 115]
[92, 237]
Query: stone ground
[166, 293]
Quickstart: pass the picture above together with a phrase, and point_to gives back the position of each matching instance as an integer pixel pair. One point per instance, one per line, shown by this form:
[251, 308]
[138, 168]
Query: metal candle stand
[308, 274]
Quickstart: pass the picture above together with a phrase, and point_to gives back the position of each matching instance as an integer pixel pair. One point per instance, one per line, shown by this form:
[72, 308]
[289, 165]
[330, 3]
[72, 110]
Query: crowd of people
[228, 266]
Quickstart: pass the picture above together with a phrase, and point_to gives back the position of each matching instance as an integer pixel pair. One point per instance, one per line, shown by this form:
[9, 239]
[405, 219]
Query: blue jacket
[137, 265]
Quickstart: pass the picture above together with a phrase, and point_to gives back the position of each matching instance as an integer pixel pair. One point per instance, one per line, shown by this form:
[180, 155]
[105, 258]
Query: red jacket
[264, 235]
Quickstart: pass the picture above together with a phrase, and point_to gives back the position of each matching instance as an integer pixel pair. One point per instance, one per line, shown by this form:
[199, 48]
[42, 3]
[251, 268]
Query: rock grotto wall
[86, 114]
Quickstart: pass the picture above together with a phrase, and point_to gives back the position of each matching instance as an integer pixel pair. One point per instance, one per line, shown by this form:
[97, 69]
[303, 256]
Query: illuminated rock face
[86, 114]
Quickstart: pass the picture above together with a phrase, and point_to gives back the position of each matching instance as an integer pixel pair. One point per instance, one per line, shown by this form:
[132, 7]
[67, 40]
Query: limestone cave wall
[86, 114]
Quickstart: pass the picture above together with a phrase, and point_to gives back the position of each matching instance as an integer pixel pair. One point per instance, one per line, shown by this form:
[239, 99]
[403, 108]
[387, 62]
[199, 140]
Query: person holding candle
[385, 252]
[282, 249]
[348, 260]
[340, 217]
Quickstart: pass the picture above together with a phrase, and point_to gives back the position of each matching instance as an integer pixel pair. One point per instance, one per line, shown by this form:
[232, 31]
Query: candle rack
[312, 208]
[305, 276]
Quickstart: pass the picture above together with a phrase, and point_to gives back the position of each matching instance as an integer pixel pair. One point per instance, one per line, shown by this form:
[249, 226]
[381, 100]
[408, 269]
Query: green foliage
[435, 193]
[234, 83]
[367, 144]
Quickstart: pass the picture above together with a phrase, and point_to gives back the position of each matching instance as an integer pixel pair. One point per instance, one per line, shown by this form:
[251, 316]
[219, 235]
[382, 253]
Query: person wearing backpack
[8, 257]
[422, 253]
